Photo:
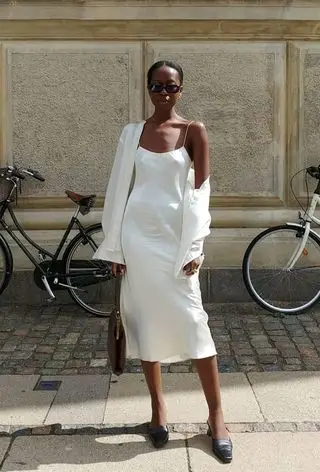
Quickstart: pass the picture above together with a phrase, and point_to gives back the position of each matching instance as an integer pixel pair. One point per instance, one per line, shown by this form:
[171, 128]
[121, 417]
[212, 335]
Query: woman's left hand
[192, 267]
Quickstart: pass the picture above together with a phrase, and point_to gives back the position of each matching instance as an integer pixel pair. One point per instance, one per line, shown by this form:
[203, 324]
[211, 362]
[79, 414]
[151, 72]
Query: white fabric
[162, 314]
[117, 194]
[195, 214]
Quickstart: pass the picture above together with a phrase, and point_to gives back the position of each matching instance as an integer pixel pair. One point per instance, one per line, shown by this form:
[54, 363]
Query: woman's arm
[198, 142]
[199, 150]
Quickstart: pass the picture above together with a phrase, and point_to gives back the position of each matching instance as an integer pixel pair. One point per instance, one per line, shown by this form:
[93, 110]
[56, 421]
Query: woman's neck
[160, 116]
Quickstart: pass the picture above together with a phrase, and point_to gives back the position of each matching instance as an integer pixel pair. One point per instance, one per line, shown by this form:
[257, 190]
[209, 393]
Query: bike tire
[247, 271]
[6, 256]
[103, 284]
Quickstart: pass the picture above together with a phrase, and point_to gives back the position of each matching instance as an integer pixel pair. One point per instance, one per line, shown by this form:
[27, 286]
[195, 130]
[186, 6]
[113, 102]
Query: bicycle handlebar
[34, 173]
[13, 171]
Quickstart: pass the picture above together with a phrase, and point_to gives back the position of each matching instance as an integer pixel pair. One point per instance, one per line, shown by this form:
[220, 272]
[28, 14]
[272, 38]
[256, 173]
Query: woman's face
[165, 87]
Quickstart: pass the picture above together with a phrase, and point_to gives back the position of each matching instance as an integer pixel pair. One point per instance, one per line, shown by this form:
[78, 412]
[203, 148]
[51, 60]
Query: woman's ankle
[159, 413]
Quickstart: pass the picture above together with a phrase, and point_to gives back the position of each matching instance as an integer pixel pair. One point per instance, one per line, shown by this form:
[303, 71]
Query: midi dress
[162, 314]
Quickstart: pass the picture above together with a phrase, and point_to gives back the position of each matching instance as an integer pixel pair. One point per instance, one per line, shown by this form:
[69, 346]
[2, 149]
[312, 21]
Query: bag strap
[117, 291]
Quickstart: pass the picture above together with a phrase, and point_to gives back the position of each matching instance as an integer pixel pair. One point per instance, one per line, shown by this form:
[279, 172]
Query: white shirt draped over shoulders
[196, 216]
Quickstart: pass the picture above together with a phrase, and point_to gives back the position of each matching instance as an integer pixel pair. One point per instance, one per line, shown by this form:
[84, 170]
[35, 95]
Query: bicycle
[281, 264]
[85, 279]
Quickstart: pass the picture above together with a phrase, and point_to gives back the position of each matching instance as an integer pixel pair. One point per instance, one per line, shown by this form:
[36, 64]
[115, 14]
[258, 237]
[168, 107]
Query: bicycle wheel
[92, 287]
[6, 264]
[266, 276]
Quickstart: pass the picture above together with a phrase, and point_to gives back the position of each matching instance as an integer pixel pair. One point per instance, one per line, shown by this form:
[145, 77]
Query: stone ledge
[217, 285]
[178, 29]
[161, 9]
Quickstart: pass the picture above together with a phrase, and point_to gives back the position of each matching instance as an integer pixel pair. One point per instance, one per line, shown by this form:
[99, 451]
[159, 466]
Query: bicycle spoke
[266, 273]
[90, 279]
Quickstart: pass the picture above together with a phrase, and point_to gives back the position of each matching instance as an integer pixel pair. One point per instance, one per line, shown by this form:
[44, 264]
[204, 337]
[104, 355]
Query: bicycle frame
[43, 253]
[307, 229]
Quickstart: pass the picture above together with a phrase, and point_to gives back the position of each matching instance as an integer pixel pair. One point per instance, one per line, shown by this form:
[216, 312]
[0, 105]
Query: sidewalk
[71, 415]
[95, 423]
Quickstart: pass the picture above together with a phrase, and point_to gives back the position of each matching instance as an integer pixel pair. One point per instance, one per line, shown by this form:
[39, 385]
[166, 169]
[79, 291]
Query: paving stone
[258, 338]
[263, 452]
[9, 347]
[80, 400]
[82, 354]
[290, 426]
[263, 427]
[293, 361]
[64, 348]
[21, 332]
[313, 329]
[292, 367]
[271, 368]
[69, 371]
[307, 351]
[16, 397]
[179, 368]
[253, 335]
[248, 368]
[302, 341]
[101, 354]
[246, 360]
[241, 427]
[289, 320]
[306, 427]
[106, 453]
[129, 398]
[55, 364]
[267, 351]
[99, 362]
[4, 370]
[40, 356]
[25, 370]
[267, 359]
[299, 403]
[21, 355]
[47, 371]
[76, 363]
[288, 352]
[45, 349]
[27, 347]
[61, 356]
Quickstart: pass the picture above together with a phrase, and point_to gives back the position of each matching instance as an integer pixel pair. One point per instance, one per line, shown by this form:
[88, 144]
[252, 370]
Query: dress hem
[175, 358]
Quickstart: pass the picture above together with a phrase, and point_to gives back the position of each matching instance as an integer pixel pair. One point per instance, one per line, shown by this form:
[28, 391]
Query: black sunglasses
[169, 88]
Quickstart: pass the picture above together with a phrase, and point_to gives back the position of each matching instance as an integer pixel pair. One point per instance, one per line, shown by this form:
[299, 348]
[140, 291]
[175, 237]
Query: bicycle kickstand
[48, 288]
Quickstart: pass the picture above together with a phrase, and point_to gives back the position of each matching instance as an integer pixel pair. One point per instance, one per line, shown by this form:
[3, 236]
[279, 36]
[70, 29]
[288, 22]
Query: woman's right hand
[118, 269]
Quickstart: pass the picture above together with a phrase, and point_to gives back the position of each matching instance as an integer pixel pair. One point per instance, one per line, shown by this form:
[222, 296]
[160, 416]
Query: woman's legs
[209, 376]
[152, 372]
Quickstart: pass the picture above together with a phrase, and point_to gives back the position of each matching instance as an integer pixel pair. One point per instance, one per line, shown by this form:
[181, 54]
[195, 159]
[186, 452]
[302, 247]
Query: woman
[154, 237]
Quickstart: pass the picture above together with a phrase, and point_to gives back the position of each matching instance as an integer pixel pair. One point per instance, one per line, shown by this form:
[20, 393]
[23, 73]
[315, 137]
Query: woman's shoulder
[196, 125]
[197, 130]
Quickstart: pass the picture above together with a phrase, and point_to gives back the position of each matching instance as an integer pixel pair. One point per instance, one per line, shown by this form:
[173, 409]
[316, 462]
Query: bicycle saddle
[85, 202]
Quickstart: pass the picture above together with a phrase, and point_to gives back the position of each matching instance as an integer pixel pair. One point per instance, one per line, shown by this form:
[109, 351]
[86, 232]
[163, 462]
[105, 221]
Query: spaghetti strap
[185, 134]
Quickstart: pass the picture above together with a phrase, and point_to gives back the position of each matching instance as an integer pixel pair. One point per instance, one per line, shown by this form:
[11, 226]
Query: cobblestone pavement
[53, 340]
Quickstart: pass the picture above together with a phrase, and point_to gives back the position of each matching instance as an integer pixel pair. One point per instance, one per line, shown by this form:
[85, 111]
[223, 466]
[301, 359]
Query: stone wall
[73, 73]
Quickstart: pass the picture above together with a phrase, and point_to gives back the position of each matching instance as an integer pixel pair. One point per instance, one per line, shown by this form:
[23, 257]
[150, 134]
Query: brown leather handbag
[116, 335]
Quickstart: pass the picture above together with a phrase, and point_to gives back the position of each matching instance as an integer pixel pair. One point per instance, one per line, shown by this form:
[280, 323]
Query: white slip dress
[163, 316]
